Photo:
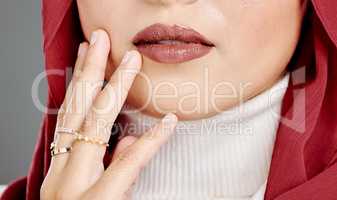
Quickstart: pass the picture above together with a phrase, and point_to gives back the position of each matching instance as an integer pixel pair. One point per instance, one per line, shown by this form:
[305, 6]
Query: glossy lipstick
[171, 44]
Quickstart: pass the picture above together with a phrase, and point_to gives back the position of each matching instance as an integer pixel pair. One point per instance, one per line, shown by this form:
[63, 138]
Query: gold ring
[57, 151]
[120, 157]
[83, 138]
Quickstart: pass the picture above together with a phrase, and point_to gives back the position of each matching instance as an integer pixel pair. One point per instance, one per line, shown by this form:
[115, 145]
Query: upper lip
[160, 32]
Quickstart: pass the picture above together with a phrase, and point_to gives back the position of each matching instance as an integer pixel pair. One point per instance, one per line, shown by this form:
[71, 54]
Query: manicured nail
[170, 118]
[81, 50]
[169, 121]
[132, 61]
[93, 38]
[126, 58]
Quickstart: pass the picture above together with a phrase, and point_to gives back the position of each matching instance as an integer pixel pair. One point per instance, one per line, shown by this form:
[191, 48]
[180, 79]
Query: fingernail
[93, 38]
[170, 121]
[81, 50]
[126, 58]
[170, 118]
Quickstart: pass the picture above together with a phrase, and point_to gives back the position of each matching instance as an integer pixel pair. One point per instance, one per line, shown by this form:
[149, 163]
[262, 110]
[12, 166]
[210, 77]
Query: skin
[67, 177]
[254, 41]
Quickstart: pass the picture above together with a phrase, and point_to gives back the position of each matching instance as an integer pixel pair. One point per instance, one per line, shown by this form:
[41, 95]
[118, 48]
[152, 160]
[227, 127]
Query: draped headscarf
[304, 162]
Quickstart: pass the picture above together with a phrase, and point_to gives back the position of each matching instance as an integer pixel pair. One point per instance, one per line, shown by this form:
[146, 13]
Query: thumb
[121, 146]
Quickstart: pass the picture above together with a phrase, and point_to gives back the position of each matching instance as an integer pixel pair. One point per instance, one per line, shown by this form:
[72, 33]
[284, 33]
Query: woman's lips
[171, 44]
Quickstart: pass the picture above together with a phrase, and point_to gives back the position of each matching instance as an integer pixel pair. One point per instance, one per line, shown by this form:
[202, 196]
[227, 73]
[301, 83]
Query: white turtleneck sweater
[225, 157]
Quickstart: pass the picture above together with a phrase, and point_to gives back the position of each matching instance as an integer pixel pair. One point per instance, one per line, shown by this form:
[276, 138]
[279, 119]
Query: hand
[80, 174]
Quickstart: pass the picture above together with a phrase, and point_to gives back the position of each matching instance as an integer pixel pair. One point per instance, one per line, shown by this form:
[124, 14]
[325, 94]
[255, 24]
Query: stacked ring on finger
[66, 131]
[81, 137]
[54, 150]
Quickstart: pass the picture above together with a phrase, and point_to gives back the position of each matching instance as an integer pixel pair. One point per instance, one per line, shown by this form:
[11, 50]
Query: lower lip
[174, 53]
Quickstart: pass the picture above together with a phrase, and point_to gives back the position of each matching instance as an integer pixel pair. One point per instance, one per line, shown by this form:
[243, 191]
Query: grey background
[20, 62]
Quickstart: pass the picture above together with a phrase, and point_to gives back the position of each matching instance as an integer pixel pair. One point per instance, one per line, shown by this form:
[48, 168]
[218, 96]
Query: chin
[185, 109]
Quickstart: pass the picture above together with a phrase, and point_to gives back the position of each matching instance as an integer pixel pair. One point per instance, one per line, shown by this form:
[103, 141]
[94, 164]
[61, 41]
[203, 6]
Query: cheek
[107, 15]
[266, 29]
[261, 39]
[104, 14]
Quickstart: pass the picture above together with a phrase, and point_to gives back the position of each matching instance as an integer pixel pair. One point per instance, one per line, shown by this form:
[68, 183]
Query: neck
[227, 155]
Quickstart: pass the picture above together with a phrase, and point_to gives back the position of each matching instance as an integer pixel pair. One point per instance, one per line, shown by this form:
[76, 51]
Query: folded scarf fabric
[304, 161]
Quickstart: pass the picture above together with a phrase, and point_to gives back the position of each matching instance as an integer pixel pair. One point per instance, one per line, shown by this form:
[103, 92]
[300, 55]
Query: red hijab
[304, 163]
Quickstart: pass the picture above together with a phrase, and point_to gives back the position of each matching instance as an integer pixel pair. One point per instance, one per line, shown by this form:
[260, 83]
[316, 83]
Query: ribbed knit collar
[226, 156]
